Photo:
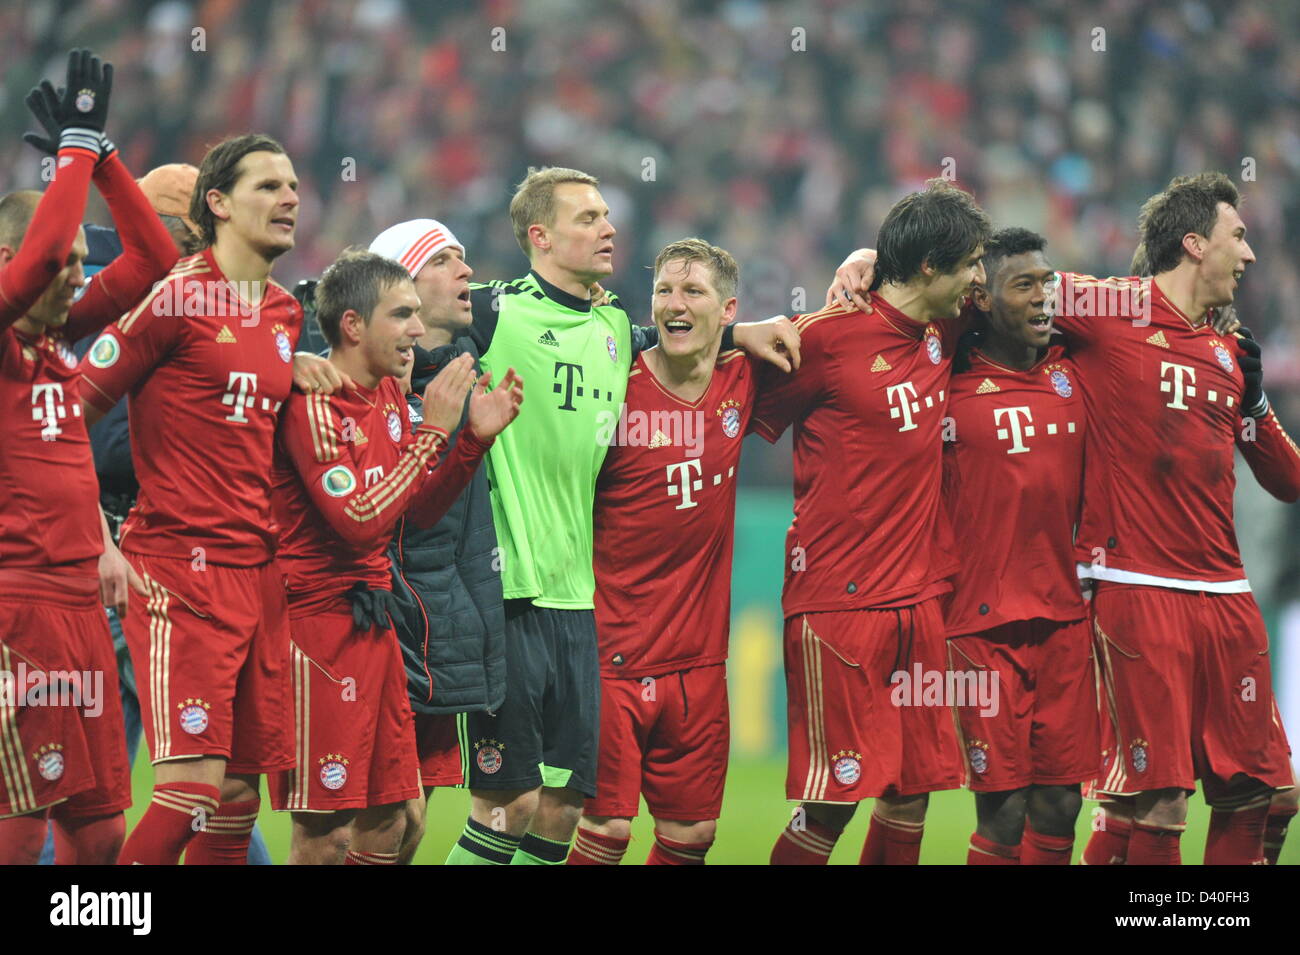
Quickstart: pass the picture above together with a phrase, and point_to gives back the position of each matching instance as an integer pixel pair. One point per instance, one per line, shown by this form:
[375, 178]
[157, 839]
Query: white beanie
[414, 243]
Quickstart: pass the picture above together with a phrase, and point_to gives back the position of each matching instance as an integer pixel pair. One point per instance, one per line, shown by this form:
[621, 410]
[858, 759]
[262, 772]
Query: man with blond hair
[532, 762]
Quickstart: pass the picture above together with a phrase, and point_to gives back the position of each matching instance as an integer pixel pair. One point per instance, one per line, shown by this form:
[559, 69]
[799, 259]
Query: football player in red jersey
[868, 554]
[1013, 481]
[62, 746]
[664, 526]
[346, 470]
[1182, 644]
[207, 358]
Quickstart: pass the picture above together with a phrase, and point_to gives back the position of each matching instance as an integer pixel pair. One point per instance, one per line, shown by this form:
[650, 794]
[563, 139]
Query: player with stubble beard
[207, 358]
[868, 552]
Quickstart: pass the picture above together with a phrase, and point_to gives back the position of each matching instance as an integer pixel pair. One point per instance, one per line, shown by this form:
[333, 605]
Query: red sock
[94, 841]
[170, 822]
[1237, 836]
[224, 839]
[1038, 849]
[1275, 832]
[892, 843]
[1108, 846]
[667, 852]
[22, 838]
[1154, 845]
[595, 848]
[987, 852]
[810, 844]
[368, 858]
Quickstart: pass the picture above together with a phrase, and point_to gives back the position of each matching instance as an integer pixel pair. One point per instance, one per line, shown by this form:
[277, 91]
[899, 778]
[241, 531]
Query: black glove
[1253, 402]
[371, 608]
[70, 111]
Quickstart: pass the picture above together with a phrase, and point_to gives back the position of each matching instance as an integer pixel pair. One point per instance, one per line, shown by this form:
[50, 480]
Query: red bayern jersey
[346, 469]
[664, 522]
[207, 374]
[50, 516]
[867, 405]
[1164, 406]
[1012, 484]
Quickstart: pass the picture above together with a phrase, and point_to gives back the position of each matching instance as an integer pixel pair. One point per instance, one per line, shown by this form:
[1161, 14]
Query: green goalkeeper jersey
[574, 360]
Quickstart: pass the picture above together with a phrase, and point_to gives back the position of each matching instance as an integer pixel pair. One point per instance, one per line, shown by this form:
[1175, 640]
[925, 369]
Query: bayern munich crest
[85, 101]
[729, 412]
[49, 761]
[977, 752]
[282, 346]
[1138, 755]
[66, 355]
[333, 771]
[394, 426]
[934, 348]
[193, 716]
[488, 756]
[1060, 382]
[1225, 359]
[612, 347]
[847, 767]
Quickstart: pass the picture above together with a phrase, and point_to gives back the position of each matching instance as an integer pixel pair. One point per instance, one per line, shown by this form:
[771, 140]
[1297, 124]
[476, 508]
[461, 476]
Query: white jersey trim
[1116, 576]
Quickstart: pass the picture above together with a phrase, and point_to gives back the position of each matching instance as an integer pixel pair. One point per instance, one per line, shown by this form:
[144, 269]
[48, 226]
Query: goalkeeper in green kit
[530, 765]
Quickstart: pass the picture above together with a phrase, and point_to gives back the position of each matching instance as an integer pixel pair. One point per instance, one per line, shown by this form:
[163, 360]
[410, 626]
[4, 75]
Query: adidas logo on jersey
[987, 387]
[881, 365]
[549, 339]
[225, 336]
[660, 440]
[1158, 339]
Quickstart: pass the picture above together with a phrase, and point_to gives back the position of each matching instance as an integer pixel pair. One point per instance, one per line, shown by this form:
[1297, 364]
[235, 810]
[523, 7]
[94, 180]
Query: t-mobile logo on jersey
[48, 409]
[246, 383]
[907, 404]
[681, 481]
[374, 475]
[1176, 385]
[1014, 431]
[568, 382]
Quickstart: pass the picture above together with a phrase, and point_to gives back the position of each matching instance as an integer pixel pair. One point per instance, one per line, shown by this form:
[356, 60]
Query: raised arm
[75, 139]
[148, 253]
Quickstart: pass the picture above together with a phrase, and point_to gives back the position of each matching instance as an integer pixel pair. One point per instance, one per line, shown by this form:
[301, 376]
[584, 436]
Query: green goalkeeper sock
[538, 850]
[482, 845]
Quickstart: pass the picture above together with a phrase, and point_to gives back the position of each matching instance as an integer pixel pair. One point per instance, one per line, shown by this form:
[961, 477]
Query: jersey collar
[559, 295]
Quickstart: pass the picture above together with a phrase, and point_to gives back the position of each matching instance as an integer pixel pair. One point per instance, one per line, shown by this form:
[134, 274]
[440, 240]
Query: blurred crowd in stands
[781, 131]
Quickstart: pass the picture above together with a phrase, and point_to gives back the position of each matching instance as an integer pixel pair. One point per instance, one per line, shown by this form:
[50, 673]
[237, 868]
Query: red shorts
[353, 726]
[849, 739]
[211, 653]
[1036, 722]
[62, 736]
[1190, 688]
[437, 744]
[667, 737]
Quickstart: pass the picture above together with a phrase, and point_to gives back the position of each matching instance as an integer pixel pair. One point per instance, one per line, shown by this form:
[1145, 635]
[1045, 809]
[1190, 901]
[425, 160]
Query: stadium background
[781, 131]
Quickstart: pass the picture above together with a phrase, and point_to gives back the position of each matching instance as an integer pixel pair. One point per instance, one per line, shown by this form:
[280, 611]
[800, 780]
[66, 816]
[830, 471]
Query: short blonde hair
[720, 263]
[534, 199]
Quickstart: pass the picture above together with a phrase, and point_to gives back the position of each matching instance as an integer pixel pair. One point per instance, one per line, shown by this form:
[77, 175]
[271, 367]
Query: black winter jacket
[447, 580]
